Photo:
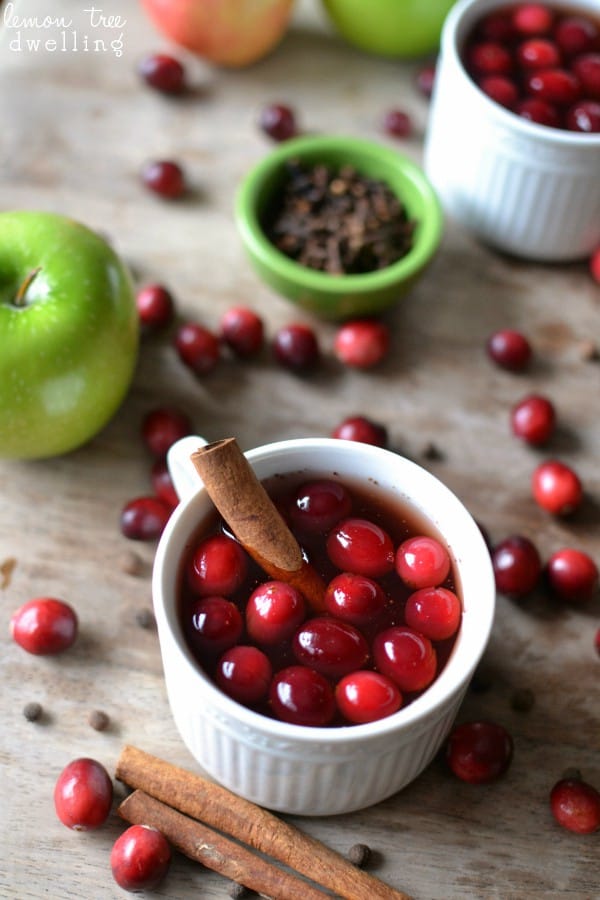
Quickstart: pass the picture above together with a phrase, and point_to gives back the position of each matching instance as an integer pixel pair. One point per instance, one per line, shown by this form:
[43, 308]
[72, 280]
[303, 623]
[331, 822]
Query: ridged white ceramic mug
[527, 189]
[300, 769]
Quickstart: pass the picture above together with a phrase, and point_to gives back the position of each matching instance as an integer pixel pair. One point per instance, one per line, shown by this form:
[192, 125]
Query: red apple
[226, 32]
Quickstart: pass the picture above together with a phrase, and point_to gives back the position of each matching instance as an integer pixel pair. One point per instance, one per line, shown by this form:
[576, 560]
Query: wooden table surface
[76, 128]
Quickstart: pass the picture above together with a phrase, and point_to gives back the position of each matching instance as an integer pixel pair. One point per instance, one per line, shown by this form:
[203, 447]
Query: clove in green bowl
[344, 296]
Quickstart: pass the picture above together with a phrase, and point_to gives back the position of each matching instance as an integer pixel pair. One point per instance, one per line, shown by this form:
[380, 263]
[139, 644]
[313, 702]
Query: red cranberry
[273, 612]
[595, 265]
[155, 307]
[496, 26]
[198, 348]
[362, 343]
[244, 673]
[576, 34]
[517, 566]
[489, 58]
[161, 428]
[218, 565]
[587, 68]
[162, 483]
[422, 561]
[584, 116]
[500, 89]
[539, 111]
[397, 123]
[296, 347]
[164, 177]
[140, 858]
[363, 430]
[575, 805]
[163, 73]
[479, 752]
[425, 79]
[144, 518]
[572, 575]
[242, 330]
[83, 795]
[554, 86]
[362, 547]
[533, 419]
[367, 696]
[434, 612]
[532, 18]
[332, 647]
[509, 349]
[405, 656]
[302, 696]
[214, 624]
[278, 122]
[538, 53]
[556, 488]
[319, 505]
[354, 598]
[44, 626]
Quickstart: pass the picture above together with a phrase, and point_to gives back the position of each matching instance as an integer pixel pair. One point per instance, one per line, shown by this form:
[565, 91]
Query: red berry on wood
[242, 330]
[479, 752]
[363, 430]
[162, 72]
[533, 419]
[509, 349]
[83, 795]
[362, 343]
[197, 347]
[162, 427]
[557, 488]
[144, 518]
[296, 347]
[278, 121]
[572, 575]
[165, 178]
[517, 566]
[575, 805]
[140, 858]
[155, 307]
[44, 626]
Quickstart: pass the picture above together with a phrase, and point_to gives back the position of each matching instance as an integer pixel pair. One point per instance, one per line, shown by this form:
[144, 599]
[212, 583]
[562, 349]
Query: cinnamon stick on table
[204, 845]
[223, 810]
[253, 517]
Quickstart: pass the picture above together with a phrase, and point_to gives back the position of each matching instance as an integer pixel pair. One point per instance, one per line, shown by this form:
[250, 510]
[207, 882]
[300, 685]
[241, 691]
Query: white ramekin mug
[299, 769]
[523, 188]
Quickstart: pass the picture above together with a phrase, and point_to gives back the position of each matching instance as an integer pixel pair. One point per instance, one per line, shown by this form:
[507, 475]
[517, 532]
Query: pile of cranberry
[389, 618]
[541, 62]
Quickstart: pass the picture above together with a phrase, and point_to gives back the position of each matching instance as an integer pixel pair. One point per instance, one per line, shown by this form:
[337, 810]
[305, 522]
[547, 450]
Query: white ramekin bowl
[524, 188]
[299, 769]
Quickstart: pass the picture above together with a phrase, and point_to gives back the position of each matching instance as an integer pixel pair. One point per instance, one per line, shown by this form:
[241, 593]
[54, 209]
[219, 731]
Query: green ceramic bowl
[339, 296]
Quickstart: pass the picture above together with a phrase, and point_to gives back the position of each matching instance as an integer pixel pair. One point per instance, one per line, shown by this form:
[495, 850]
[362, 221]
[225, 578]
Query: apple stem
[19, 299]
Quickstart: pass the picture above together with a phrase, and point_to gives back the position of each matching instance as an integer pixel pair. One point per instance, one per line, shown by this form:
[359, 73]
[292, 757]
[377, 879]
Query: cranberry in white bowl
[340, 762]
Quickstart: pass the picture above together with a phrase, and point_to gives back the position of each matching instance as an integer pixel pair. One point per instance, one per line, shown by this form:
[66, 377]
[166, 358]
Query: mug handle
[184, 476]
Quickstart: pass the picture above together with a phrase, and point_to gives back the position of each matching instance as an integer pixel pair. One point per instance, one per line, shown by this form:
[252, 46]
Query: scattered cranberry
[397, 123]
[362, 547]
[198, 348]
[218, 565]
[556, 488]
[362, 343]
[140, 858]
[319, 505]
[242, 330]
[575, 805]
[576, 34]
[354, 598]
[278, 122]
[532, 19]
[425, 79]
[244, 673]
[434, 612]
[517, 566]
[273, 612]
[405, 656]
[595, 265]
[162, 427]
[535, 110]
[165, 178]
[144, 518]
[533, 419]
[295, 346]
[44, 626]
[538, 53]
[331, 647]
[509, 349]
[162, 483]
[479, 752]
[500, 89]
[155, 307]
[163, 73]
[363, 430]
[366, 696]
[302, 696]
[83, 795]
[422, 562]
[572, 575]
[213, 624]
[584, 116]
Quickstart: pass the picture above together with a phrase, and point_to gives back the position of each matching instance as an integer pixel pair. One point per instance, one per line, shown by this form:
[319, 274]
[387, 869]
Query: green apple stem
[20, 297]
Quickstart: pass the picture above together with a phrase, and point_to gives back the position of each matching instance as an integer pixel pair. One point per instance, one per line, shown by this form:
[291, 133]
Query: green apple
[68, 334]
